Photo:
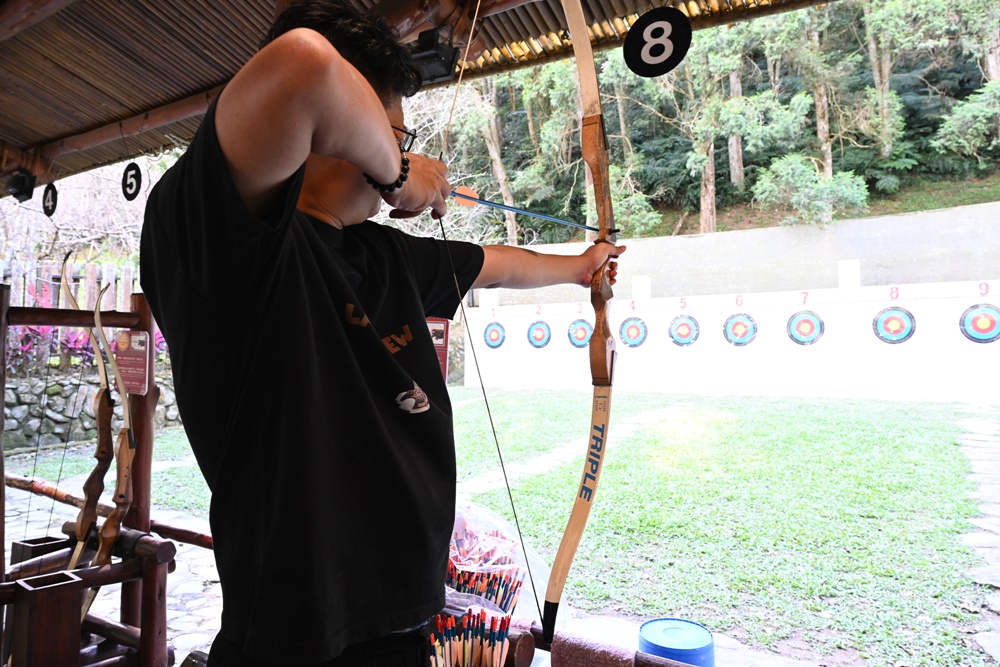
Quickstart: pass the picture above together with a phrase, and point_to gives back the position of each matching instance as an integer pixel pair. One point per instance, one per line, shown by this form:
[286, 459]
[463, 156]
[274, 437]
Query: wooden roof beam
[18, 15]
[39, 160]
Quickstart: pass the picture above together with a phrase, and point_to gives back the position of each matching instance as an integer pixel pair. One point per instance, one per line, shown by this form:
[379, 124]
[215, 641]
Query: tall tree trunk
[880, 59]
[736, 173]
[622, 118]
[493, 135]
[774, 74]
[706, 224]
[821, 96]
[992, 64]
[531, 124]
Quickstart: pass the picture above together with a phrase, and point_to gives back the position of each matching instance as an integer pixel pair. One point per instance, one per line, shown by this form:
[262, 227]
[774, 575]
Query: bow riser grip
[602, 342]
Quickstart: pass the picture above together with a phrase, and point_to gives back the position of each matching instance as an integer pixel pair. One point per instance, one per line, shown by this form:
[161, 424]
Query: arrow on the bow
[86, 522]
[602, 343]
[466, 196]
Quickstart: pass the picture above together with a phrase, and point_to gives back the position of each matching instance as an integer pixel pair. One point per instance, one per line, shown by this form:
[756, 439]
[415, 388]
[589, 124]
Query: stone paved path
[194, 597]
[981, 443]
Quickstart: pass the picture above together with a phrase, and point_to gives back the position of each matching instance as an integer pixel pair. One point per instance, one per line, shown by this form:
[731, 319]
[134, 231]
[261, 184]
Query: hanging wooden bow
[86, 522]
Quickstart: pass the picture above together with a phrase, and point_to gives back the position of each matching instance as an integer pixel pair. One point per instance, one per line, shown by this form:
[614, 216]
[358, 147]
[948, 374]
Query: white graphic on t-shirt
[413, 401]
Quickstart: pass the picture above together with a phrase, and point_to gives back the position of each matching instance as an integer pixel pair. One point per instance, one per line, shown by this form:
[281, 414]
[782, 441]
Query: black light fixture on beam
[435, 61]
[21, 185]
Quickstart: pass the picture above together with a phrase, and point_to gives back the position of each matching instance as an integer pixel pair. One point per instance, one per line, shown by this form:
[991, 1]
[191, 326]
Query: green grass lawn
[833, 524]
[830, 522]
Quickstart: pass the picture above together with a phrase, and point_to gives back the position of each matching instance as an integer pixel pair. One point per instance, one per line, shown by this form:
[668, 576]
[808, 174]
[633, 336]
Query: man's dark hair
[365, 40]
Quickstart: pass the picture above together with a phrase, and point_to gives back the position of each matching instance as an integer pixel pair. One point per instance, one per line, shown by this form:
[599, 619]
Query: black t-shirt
[311, 393]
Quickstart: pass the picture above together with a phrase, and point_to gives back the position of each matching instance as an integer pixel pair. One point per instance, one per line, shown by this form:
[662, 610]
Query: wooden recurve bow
[124, 452]
[602, 343]
[86, 521]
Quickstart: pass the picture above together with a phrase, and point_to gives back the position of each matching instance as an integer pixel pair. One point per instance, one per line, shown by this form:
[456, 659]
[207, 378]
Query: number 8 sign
[657, 42]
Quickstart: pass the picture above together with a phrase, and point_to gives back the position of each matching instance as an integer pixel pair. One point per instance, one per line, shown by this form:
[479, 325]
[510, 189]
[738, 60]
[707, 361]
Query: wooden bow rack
[42, 599]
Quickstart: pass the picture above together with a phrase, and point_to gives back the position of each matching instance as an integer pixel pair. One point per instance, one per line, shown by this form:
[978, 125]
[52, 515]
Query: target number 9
[657, 42]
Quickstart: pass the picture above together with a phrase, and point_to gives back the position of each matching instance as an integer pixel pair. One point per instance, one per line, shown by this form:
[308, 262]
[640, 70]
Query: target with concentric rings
[740, 329]
[494, 335]
[633, 332]
[684, 330]
[580, 332]
[539, 334]
[981, 323]
[805, 327]
[894, 325]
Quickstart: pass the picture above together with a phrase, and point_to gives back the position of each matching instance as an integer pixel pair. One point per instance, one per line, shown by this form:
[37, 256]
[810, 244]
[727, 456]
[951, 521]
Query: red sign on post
[132, 355]
[439, 334]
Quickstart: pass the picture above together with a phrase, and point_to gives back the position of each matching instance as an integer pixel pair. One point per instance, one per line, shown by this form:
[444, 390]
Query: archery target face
[684, 330]
[580, 332]
[894, 325]
[539, 334]
[740, 329]
[494, 335]
[805, 327]
[633, 332]
[981, 323]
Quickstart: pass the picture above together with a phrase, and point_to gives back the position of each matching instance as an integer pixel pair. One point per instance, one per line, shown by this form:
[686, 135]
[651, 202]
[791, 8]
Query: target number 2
[657, 42]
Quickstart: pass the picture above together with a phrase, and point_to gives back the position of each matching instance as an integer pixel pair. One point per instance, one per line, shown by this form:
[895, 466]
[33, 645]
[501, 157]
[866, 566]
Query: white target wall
[937, 362]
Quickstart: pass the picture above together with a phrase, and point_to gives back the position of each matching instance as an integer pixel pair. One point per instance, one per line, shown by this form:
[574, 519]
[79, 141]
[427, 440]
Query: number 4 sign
[657, 42]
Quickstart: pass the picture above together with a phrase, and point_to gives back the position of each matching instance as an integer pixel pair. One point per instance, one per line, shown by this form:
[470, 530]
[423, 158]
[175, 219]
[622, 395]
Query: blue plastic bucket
[677, 639]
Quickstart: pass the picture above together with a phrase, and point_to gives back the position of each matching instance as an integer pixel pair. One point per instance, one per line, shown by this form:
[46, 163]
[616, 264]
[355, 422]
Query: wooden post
[91, 286]
[153, 639]
[143, 410]
[4, 308]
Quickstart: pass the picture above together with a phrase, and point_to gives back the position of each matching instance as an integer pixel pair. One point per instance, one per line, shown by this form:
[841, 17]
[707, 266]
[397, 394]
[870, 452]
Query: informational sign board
[439, 334]
[132, 355]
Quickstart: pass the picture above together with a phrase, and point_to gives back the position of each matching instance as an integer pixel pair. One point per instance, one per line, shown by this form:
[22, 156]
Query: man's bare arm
[519, 268]
[298, 96]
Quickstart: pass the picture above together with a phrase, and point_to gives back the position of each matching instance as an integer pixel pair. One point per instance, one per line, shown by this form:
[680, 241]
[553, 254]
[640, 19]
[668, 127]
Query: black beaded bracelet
[404, 171]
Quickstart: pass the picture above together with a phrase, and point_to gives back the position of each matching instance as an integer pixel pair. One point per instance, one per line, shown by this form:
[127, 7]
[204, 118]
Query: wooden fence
[36, 284]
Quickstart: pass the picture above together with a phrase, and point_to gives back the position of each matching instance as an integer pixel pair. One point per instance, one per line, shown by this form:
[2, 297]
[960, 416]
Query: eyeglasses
[409, 136]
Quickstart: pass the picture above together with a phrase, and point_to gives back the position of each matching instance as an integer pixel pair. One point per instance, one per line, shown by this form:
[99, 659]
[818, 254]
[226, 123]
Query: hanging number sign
[49, 199]
[657, 42]
[131, 181]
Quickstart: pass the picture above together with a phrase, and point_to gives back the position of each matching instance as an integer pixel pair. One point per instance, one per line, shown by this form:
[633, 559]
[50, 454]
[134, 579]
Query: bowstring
[489, 414]
[465, 320]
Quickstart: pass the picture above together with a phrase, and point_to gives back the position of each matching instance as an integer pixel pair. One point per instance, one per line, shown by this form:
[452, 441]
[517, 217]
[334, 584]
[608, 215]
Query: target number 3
[657, 42]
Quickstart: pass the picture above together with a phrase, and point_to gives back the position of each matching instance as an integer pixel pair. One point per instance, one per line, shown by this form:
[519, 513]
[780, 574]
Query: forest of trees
[810, 112]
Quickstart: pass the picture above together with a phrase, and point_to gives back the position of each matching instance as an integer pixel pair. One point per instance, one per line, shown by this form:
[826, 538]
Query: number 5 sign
[131, 181]
[657, 42]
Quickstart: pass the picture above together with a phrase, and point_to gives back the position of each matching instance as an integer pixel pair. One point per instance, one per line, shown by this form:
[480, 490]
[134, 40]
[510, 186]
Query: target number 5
[657, 42]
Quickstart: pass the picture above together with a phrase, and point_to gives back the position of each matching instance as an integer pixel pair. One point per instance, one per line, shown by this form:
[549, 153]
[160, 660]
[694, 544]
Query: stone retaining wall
[39, 412]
